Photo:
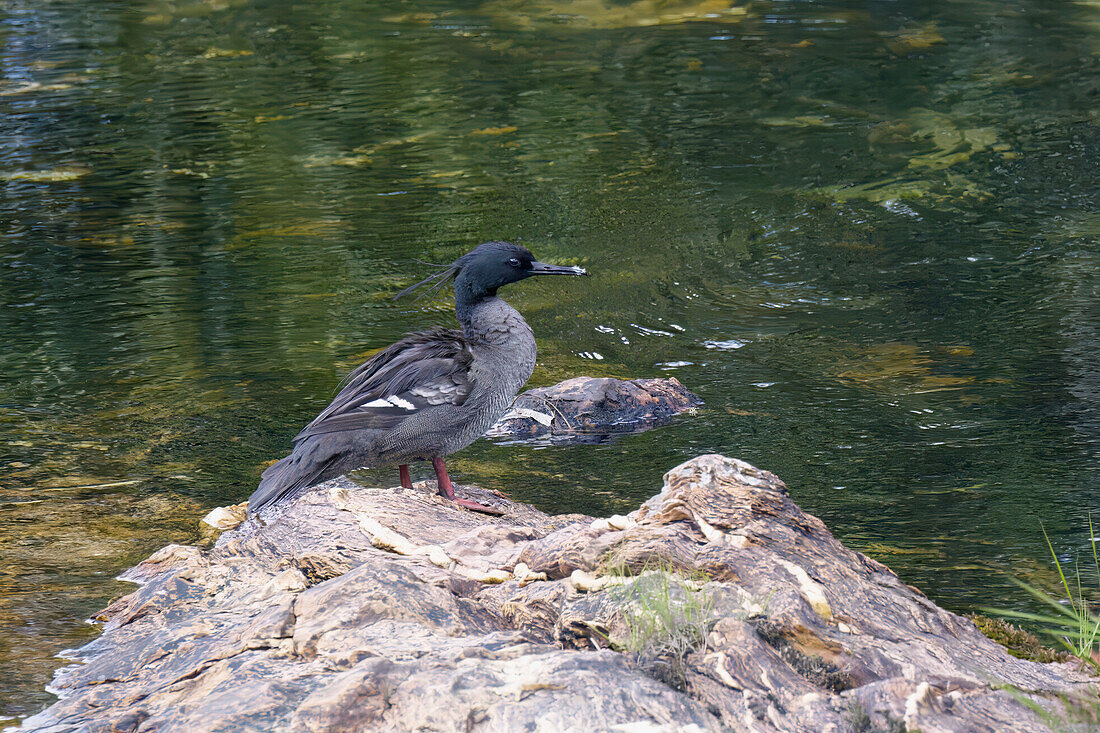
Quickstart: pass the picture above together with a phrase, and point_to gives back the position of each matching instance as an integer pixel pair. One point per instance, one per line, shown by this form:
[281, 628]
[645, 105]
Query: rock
[589, 409]
[227, 517]
[362, 609]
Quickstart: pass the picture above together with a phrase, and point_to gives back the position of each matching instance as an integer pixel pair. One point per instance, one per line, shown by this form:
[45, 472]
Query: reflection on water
[864, 233]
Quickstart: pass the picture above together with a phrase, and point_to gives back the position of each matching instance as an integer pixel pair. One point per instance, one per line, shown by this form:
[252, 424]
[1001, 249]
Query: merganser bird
[430, 394]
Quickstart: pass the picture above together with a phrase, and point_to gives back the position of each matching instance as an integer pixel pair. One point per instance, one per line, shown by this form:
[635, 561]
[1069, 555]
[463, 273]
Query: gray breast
[503, 356]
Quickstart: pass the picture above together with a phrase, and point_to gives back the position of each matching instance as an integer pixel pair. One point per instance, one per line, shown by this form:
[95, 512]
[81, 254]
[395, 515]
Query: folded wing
[417, 372]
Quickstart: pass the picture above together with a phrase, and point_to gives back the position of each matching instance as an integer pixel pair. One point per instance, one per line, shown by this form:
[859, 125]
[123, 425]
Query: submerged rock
[590, 409]
[360, 609]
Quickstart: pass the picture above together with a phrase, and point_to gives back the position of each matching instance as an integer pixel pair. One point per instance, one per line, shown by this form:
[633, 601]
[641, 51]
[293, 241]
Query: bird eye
[514, 262]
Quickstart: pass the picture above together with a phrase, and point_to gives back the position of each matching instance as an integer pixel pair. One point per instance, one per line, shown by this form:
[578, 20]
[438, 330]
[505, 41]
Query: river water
[866, 233]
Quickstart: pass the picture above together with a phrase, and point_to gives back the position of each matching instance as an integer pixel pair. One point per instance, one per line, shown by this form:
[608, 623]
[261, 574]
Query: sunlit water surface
[865, 233]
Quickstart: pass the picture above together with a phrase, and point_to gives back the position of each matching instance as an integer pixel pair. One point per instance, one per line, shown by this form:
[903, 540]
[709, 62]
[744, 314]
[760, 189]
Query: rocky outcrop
[717, 605]
[590, 409]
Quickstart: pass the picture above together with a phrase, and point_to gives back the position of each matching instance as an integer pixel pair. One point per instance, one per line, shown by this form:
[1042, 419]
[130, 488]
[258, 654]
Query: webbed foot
[447, 491]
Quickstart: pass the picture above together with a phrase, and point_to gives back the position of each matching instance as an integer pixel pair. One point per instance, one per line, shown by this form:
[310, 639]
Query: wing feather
[419, 371]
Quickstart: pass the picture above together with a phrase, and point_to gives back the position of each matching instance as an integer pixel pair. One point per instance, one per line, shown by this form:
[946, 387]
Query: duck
[430, 394]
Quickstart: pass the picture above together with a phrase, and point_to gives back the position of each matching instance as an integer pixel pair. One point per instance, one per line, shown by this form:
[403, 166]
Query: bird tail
[284, 477]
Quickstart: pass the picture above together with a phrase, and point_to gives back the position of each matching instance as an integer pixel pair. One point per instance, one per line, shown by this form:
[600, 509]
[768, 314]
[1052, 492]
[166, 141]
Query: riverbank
[717, 604]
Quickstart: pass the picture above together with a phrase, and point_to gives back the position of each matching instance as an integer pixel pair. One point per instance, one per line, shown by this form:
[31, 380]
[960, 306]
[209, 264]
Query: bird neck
[470, 299]
[502, 344]
[489, 320]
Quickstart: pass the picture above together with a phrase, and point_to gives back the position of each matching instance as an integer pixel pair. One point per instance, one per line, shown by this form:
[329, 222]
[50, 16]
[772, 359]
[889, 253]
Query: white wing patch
[391, 402]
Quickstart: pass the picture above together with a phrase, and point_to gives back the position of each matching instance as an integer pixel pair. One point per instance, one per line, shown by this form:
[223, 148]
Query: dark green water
[867, 234]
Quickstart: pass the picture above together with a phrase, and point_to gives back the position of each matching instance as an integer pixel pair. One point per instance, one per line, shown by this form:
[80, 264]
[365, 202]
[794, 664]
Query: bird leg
[406, 480]
[447, 490]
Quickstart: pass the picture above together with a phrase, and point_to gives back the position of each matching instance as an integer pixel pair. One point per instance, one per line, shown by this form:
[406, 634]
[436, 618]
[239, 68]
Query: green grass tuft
[668, 616]
[1073, 622]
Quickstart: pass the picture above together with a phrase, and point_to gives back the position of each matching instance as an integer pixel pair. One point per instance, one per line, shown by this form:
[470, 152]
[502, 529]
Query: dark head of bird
[479, 273]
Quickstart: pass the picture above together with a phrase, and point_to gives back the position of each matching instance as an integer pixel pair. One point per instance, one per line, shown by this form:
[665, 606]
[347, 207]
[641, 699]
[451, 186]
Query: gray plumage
[431, 393]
